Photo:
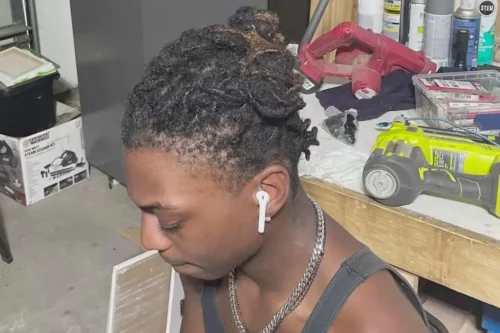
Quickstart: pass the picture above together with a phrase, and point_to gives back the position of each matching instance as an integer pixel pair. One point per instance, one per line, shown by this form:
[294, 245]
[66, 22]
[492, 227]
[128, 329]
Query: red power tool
[361, 55]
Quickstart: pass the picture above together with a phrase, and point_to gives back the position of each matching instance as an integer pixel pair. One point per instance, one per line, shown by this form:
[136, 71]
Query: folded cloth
[397, 93]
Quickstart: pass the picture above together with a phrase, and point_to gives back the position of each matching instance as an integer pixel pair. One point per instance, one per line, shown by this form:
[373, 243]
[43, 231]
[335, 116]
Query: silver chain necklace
[299, 293]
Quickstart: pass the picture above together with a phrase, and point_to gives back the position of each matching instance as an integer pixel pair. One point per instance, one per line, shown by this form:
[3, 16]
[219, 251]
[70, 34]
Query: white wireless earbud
[263, 199]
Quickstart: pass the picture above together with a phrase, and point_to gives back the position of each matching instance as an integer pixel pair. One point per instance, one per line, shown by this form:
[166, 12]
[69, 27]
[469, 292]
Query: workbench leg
[411, 278]
[5, 252]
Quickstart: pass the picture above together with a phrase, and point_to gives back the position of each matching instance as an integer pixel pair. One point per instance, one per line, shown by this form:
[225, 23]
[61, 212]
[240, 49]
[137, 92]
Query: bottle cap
[440, 7]
[468, 4]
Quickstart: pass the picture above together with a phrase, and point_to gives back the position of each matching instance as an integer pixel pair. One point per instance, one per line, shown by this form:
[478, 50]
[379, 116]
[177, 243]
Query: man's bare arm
[192, 319]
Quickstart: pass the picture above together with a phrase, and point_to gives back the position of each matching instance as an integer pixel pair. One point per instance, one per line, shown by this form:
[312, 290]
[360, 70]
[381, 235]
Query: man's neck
[286, 251]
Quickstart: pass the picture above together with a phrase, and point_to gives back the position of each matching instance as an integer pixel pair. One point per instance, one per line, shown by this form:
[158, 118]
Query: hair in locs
[224, 97]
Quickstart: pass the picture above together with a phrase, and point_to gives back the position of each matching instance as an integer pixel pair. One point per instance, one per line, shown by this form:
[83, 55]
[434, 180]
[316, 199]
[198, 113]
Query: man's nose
[152, 238]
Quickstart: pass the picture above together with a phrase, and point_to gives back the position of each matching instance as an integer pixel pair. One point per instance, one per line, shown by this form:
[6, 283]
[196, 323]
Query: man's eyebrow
[155, 206]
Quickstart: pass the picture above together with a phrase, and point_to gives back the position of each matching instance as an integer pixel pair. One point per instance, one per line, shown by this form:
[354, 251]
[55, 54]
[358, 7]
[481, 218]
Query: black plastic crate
[28, 108]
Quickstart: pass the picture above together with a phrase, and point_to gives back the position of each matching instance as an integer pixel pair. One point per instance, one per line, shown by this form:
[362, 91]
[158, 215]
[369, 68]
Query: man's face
[195, 223]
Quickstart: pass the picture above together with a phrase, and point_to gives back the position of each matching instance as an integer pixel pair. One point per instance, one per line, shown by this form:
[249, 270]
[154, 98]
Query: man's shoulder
[379, 305]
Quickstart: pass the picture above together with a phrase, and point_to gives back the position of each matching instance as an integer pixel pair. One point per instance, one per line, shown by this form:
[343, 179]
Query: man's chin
[197, 272]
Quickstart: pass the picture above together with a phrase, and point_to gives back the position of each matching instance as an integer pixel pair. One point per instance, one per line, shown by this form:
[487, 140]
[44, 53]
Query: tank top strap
[211, 317]
[352, 273]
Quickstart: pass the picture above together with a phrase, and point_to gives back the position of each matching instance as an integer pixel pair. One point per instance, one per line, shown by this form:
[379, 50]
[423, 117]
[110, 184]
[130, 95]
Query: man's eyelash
[170, 227]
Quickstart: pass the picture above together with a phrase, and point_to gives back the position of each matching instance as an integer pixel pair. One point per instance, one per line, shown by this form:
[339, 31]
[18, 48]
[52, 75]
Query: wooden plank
[354, 11]
[448, 255]
[147, 270]
[140, 295]
[336, 13]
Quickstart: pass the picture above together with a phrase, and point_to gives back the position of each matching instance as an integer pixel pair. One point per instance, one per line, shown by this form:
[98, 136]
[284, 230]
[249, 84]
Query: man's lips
[180, 265]
[174, 263]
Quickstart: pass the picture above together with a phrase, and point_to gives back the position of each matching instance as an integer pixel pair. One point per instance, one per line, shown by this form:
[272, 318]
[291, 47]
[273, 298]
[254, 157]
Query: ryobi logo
[486, 8]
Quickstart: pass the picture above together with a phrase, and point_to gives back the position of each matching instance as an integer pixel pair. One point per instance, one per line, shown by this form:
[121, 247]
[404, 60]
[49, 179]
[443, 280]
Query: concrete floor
[64, 249]
[459, 313]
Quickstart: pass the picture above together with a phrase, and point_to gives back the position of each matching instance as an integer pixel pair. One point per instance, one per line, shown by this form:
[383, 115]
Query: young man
[213, 138]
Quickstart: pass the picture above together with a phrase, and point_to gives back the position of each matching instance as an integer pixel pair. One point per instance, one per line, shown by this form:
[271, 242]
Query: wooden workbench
[454, 244]
[464, 256]
[451, 256]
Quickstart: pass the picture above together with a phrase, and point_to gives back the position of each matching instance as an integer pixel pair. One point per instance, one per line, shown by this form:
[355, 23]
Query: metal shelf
[13, 30]
[24, 31]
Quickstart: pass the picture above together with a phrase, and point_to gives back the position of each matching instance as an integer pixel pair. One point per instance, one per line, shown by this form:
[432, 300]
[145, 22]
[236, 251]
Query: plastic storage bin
[457, 97]
[28, 108]
[491, 319]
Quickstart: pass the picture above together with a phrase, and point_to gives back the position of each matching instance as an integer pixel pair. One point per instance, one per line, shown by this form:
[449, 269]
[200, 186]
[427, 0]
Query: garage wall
[56, 33]
[5, 17]
[56, 39]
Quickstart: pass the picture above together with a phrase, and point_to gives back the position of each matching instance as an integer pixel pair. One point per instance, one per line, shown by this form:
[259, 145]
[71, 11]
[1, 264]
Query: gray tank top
[352, 273]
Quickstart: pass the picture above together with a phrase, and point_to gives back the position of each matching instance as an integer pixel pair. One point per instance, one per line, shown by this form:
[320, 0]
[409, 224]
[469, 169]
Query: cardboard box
[37, 166]
[146, 294]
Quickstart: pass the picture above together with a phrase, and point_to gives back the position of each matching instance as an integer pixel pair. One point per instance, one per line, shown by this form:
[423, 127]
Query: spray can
[468, 18]
[371, 14]
[438, 17]
[417, 23]
[404, 26]
[488, 11]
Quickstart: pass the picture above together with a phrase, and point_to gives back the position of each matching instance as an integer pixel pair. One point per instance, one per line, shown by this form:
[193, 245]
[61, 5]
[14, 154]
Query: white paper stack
[18, 66]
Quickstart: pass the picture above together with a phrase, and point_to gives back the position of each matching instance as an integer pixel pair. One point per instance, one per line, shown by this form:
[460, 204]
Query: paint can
[391, 25]
[467, 18]
[392, 19]
[488, 10]
[392, 5]
[371, 15]
[417, 24]
[438, 17]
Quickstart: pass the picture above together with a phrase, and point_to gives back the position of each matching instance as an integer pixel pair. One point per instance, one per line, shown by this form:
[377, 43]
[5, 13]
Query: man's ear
[275, 180]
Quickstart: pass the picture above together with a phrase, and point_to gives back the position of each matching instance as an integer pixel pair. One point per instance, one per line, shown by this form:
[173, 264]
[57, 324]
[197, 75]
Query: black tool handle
[479, 189]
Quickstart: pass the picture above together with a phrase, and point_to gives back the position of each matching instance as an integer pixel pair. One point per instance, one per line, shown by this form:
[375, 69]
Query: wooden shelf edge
[404, 212]
[429, 248]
